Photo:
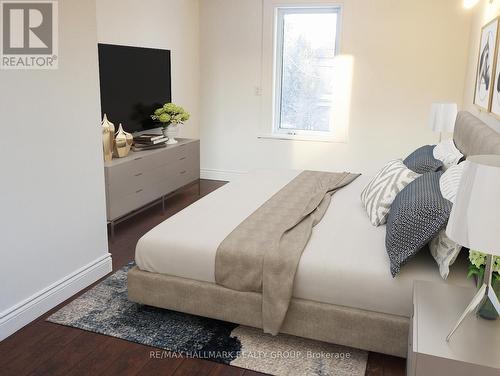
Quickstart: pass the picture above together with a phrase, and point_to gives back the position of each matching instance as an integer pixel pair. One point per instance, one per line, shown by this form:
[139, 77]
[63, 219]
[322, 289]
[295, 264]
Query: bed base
[361, 329]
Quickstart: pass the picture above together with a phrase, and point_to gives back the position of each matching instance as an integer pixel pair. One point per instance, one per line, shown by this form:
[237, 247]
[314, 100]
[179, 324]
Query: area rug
[105, 309]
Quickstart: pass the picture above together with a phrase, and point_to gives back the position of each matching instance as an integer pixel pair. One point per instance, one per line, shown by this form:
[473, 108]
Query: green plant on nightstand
[477, 268]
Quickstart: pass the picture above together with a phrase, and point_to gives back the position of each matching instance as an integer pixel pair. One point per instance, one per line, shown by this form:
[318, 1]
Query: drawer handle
[139, 174]
[183, 172]
[138, 158]
[181, 159]
[138, 191]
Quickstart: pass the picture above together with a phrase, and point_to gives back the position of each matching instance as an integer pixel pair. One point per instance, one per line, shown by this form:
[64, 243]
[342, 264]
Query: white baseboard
[14, 318]
[223, 175]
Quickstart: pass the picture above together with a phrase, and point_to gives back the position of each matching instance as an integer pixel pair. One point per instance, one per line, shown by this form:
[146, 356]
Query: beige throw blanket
[262, 254]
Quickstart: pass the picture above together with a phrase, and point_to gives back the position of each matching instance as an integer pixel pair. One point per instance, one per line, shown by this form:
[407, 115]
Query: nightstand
[473, 350]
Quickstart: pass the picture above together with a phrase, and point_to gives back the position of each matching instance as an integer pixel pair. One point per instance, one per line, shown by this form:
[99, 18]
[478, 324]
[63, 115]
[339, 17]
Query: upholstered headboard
[473, 137]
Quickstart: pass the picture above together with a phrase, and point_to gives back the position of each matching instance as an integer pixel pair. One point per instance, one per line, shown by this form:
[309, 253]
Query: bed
[343, 291]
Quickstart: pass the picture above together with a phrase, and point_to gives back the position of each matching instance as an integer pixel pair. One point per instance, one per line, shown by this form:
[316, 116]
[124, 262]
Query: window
[306, 44]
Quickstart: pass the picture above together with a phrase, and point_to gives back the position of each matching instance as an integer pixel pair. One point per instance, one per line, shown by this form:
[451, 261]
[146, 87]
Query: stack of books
[149, 141]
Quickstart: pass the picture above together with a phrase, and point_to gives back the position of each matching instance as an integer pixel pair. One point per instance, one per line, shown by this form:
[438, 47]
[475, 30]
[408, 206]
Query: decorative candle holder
[108, 132]
[123, 143]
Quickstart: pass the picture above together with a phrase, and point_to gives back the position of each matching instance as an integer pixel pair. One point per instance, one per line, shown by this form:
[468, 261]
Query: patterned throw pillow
[422, 160]
[417, 215]
[447, 152]
[379, 194]
[444, 250]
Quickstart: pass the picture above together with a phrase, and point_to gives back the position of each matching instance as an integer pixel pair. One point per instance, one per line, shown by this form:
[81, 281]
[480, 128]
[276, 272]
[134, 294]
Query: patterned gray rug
[105, 309]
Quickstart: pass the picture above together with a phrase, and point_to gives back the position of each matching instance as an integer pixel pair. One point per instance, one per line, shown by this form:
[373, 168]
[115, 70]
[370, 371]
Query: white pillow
[450, 180]
[444, 250]
[447, 153]
[379, 194]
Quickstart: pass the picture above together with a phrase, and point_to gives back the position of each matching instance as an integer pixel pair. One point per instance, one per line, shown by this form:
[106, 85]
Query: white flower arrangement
[478, 264]
[169, 114]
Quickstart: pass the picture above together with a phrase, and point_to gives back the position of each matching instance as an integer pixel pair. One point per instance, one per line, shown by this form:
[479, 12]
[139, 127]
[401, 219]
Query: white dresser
[144, 177]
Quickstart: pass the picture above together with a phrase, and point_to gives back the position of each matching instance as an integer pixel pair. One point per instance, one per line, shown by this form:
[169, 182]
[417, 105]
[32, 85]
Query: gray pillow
[422, 160]
[417, 215]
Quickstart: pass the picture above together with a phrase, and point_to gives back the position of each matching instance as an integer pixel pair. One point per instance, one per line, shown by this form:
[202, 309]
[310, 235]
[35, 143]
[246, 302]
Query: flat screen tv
[134, 82]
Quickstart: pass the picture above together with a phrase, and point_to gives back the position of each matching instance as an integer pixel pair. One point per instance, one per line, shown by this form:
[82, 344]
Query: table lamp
[443, 118]
[475, 221]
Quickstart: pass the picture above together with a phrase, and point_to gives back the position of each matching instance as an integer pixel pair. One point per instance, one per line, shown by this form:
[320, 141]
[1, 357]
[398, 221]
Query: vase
[108, 134]
[171, 131]
[123, 143]
[487, 310]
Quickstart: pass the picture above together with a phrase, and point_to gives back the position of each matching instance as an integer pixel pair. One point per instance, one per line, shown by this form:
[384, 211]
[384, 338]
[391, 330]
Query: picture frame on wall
[495, 96]
[486, 64]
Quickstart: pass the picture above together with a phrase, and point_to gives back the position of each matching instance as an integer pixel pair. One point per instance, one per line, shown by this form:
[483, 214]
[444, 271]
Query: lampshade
[475, 217]
[443, 117]
[468, 4]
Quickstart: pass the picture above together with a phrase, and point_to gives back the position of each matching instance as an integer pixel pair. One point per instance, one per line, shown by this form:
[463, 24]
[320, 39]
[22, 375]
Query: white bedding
[353, 273]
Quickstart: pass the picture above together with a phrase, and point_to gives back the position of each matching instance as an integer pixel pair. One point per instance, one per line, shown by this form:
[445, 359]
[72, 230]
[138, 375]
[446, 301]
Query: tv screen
[134, 82]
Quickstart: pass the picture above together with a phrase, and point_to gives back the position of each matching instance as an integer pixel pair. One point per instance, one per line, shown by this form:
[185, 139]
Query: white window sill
[296, 137]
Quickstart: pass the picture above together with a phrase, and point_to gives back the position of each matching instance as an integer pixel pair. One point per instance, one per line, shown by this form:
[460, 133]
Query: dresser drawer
[189, 175]
[142, 163]
[181, 174]
[185, 150]
[189, 169]
[121, 186]
[121, 205]
[193, 148]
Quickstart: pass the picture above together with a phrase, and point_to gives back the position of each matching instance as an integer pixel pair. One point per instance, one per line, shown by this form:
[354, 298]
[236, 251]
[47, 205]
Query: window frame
[280, 13]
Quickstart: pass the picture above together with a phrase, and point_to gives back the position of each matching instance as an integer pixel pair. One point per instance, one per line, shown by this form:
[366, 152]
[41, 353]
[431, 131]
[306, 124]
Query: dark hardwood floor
[43, 348]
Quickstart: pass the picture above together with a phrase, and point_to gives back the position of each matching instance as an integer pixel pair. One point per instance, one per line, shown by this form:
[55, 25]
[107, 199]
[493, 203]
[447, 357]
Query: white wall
[53, 227]
[482, 14]
[165, 24]
[406, 55]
